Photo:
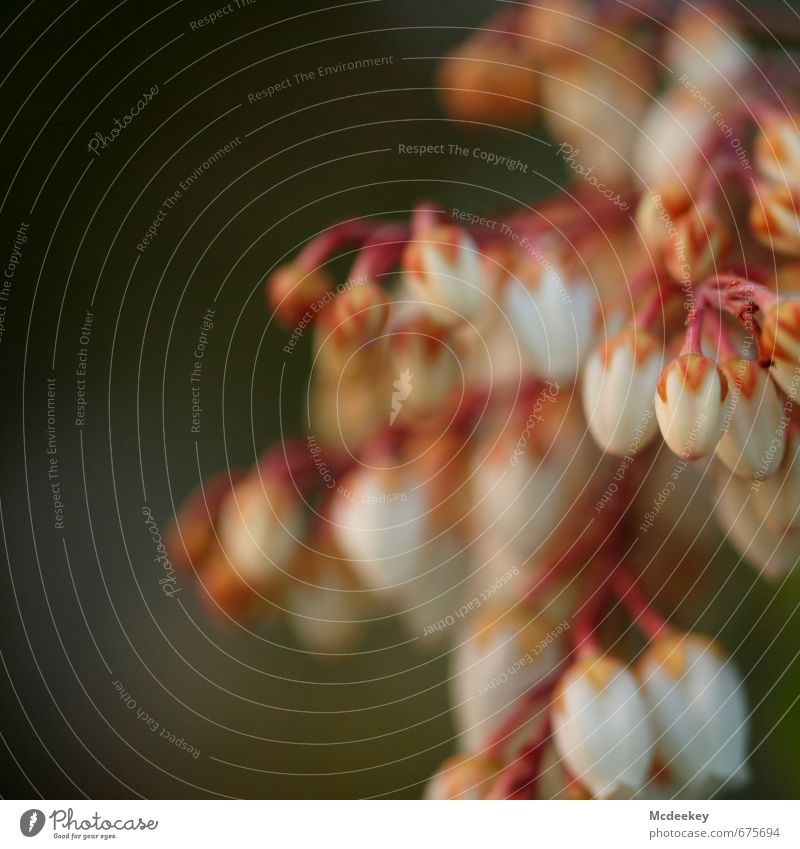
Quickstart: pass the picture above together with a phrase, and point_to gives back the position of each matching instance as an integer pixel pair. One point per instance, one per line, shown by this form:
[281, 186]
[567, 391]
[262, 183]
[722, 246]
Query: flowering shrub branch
[681, 320]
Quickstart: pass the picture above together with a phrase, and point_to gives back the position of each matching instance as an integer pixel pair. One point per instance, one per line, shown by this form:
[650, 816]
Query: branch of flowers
[596, 540]
[289, 462]
[641, 611]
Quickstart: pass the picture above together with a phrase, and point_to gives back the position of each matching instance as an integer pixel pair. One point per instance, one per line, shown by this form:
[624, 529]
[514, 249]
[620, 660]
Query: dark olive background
[82, 608]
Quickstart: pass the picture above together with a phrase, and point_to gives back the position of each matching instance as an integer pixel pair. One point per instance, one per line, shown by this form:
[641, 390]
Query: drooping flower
[443, 269]
[259, 528]
[499, 655]
[619, 383]
[553, 312]
[602, 727]
[780, 340]
[699, 711]
[752, 441]
[776, 499]
[689, 405]
[467, 776]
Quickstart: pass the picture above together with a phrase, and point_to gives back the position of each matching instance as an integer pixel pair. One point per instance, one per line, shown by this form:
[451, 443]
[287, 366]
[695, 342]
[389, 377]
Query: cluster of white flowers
[681, 317]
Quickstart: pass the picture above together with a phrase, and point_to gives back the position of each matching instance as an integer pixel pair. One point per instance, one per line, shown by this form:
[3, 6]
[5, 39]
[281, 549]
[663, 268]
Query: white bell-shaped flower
[780, 340]
[384, 522]
[462, 777]
[619, 383]
[443, 269]
[777, 499]
[699, 711]
[553, 315]
[689, 405]
[752, 442]
[500, 654]
[259, 528]
[774, 554]
[601, 726]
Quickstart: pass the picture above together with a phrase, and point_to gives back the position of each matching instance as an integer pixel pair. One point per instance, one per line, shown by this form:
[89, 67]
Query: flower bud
[424, 356]
[443, 269]
[601, 727]
[553, 314]
[324, 611]
[520, 489]
[293, 290]
[776, 499]
[775, 217]
[657, 212]
[501, 653]
[619, 382]
[463, 777]
[752, 439]
[673, 135]
[699, 712]
[689, 405]
[384, 522]
[698, 246]
[259, 528]
[594, 101]
[357, 315]
[558, 27]
[191, 536]
[488, 81]
[776, 149]
[780, 340]
[708, 50]
[774, 555]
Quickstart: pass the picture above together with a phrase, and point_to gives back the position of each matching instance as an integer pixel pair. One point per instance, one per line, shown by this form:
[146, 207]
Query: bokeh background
[81, 606]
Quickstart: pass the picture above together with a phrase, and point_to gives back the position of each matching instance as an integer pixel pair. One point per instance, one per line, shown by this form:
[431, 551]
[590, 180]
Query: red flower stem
[380, 252]
[694, 329]
[735, 291]
[584, 636]
[653, 307]
[425, 216]
[521, 712]
[638, 607]
[720, 336]
[520, 778]
[318, 251]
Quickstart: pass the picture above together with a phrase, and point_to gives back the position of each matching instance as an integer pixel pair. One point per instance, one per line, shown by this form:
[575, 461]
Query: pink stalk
[719, 334]
[584, 632]
[694, 329]
[519, 779]
[380, 252]
[427, 215]
[521, 712]
[735, 291]
[318, 251]
[634, 601]
[653, 307]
